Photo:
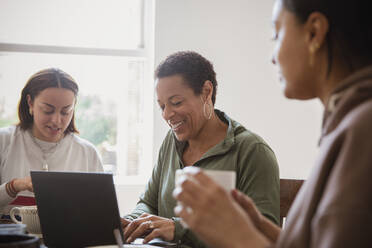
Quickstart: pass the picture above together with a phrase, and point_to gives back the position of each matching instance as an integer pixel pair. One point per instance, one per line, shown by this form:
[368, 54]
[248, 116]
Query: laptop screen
[76, 209]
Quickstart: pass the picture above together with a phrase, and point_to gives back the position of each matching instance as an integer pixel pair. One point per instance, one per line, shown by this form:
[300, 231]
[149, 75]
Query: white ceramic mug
[226, 179]
[29, 217]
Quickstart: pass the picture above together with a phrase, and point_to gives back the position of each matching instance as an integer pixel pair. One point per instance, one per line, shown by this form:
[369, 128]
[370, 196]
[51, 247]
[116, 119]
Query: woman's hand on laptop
[21, 184]
[149, 226]
[125, 222]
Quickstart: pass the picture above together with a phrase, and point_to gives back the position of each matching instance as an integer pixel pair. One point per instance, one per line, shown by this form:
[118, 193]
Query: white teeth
[175, 126]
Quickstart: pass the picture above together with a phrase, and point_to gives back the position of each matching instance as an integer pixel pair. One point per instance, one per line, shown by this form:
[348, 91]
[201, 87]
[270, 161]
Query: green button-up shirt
[257, 175]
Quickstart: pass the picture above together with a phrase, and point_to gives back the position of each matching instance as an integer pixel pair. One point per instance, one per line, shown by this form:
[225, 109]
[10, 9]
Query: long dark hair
[48, 78]
[350, 28]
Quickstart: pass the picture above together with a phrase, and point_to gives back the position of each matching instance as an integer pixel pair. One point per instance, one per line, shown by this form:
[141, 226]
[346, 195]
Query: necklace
[46, 148]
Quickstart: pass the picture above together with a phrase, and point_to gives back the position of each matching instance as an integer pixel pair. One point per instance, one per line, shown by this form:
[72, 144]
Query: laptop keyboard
[139, 246]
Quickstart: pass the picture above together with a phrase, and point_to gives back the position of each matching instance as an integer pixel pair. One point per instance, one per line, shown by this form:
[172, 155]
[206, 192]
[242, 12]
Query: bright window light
[115, 24]
[115, 102]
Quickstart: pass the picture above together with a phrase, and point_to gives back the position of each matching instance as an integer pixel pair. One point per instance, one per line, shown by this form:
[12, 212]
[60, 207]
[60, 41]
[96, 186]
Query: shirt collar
[341, 99]
[219, 148]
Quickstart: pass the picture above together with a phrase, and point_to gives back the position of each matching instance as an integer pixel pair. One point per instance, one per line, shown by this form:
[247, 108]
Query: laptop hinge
[117, 235]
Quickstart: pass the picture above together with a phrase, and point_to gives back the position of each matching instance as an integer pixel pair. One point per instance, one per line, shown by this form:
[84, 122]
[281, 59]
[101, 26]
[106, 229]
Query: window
[106, 46]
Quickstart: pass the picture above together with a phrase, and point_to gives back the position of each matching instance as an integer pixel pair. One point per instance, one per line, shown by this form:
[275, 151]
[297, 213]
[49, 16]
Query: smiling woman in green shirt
[204, 137]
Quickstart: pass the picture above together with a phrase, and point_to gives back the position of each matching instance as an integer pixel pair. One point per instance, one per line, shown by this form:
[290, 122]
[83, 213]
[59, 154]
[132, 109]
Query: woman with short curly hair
[204, 137]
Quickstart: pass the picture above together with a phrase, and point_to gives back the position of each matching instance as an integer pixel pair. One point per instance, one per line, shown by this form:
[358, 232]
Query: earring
[208, 116]
[30, 111]
[312, 51]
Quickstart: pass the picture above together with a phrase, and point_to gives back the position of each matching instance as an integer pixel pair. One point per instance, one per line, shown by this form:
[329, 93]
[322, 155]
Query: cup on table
[29, 216]
[12, 229]
[226, 179]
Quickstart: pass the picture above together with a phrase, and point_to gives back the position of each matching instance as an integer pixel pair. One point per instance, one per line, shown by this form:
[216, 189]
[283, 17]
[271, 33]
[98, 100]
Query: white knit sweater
[19, 154]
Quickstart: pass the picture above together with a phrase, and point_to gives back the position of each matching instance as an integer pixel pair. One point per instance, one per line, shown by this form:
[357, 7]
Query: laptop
[78, 209]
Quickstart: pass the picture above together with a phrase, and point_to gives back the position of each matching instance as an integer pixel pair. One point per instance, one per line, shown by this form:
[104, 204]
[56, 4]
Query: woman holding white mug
[323, 49]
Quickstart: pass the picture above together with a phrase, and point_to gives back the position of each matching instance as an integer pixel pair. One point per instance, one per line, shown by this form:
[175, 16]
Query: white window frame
[145, 50]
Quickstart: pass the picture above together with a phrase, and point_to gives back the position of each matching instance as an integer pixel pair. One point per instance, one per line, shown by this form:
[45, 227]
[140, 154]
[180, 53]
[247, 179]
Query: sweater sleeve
[5, 199]
[5, 139]
[258, 177]
[343, 217]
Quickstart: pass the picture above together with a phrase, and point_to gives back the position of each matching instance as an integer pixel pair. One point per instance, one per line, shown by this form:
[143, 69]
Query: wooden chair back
[288, 191]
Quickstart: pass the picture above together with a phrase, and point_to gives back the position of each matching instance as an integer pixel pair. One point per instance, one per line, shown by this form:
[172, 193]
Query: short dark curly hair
[194, 68]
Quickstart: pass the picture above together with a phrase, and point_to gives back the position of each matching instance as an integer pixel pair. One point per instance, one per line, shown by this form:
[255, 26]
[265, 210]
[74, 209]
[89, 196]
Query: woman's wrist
[11, 188]
[261, 223]
[251, 236]
[270, 230]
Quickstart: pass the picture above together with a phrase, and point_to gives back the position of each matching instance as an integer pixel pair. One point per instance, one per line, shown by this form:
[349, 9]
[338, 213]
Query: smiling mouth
[175, 126]
[54, 129]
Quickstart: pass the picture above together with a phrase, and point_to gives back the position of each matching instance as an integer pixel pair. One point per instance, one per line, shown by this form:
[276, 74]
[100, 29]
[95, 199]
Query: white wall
[235, 36]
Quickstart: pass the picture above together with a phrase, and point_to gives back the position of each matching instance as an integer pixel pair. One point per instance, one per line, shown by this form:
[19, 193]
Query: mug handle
[12, 213]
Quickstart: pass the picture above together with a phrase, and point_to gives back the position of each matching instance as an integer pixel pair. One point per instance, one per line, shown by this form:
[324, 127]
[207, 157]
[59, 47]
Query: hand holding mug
[225, 179]
[213, 211]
